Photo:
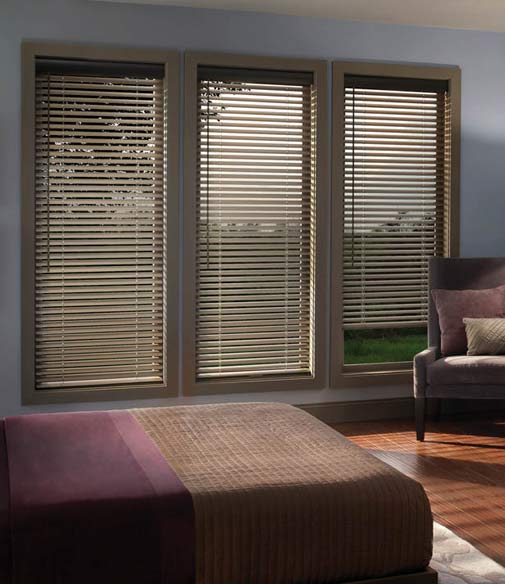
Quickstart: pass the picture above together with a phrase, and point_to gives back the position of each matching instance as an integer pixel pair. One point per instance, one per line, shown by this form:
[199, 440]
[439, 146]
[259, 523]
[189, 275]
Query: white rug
[458, 562]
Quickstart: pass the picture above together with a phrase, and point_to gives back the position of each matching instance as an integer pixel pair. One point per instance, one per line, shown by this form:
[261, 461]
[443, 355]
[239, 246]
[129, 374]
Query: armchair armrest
[421, 362]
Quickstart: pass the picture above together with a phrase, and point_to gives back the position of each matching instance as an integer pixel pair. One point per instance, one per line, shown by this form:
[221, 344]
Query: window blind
[397, 184]
[255, 223]
[99, 236]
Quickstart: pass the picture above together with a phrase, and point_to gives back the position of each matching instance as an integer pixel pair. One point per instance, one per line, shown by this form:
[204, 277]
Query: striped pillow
[485, 336]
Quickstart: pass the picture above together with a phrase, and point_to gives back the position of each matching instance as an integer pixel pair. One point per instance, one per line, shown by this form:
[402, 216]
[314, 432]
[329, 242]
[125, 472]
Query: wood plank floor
[461, 466]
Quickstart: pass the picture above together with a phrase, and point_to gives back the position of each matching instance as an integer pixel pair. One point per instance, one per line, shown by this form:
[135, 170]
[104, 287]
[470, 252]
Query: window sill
[372, 374]
[94, 394]
[253, 384]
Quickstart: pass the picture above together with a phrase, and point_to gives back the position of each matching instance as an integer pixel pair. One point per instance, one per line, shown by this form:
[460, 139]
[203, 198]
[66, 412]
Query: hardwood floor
[461, 466]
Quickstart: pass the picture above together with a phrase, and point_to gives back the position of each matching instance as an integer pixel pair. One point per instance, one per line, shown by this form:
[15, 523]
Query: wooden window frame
[383, 373]
[278, 383]
[170, 61]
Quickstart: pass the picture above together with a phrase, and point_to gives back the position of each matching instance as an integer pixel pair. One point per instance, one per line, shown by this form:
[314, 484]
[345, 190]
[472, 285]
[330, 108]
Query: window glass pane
[99, 205]
[397, 182]
[255, 224]
[383, 345]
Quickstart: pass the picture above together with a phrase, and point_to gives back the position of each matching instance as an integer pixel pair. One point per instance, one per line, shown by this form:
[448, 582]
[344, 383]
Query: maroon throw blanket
[92, 500]
[5, 558]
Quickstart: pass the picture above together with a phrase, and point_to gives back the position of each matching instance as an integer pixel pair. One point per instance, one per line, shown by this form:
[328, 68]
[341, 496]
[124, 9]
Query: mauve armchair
[457, 376]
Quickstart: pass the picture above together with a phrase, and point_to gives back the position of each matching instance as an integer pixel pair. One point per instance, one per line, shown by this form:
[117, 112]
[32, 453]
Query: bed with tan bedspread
[217, 494]
[280, 497]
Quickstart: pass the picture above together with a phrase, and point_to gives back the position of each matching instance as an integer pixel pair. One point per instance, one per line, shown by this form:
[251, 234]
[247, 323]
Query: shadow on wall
[482, 195]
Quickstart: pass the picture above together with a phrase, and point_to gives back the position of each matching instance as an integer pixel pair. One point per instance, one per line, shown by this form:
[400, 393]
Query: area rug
[458, 562]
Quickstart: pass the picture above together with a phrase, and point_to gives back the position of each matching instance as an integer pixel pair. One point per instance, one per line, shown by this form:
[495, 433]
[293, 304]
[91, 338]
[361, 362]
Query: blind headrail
[395, 83]
[245, 75]
[55, 66]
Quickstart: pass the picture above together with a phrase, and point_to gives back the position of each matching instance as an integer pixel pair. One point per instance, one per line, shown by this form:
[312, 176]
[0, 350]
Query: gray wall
[481, 57]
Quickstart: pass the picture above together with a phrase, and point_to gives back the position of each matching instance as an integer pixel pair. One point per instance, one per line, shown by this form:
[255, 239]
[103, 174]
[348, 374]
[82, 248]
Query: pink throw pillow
[453, 305]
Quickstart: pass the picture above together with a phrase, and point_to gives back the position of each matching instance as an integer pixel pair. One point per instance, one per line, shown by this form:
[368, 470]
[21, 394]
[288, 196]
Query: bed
[216, 494]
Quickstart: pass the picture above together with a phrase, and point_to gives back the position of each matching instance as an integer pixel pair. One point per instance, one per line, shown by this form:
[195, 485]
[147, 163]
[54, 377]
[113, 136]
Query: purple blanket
[92, 500]
[5, 559]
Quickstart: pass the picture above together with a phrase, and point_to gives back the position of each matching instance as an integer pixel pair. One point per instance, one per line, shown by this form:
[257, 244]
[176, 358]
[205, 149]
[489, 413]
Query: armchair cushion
[453, 305]
[467, 370]
[486, 336]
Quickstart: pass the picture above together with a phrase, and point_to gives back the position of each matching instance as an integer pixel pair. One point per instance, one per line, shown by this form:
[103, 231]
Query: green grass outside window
[383, 345]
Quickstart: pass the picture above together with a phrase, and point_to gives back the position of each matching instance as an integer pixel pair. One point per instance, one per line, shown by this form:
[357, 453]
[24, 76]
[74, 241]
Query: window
[99, 210]
[256, 242]
[397, 208]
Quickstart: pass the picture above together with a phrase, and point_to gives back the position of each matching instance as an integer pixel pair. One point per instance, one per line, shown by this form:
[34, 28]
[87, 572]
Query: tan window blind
[255, 223]
[99, 211]
[397, 171]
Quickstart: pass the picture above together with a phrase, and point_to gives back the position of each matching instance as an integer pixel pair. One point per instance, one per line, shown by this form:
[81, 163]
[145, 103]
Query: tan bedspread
[280, 497]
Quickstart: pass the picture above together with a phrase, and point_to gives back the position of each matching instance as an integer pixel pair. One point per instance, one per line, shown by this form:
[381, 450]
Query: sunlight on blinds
[99, 206]
[255, 223]
[397, 169]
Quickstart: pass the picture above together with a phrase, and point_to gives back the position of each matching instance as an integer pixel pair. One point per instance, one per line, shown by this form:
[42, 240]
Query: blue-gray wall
[480, 55]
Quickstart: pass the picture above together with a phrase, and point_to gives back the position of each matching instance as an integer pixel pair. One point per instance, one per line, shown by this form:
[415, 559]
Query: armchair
[457, 376]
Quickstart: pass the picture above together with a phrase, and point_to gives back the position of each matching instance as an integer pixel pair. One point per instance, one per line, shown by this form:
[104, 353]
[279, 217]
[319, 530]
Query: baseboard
[362, 411]
[472, 406]
[390, 409]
